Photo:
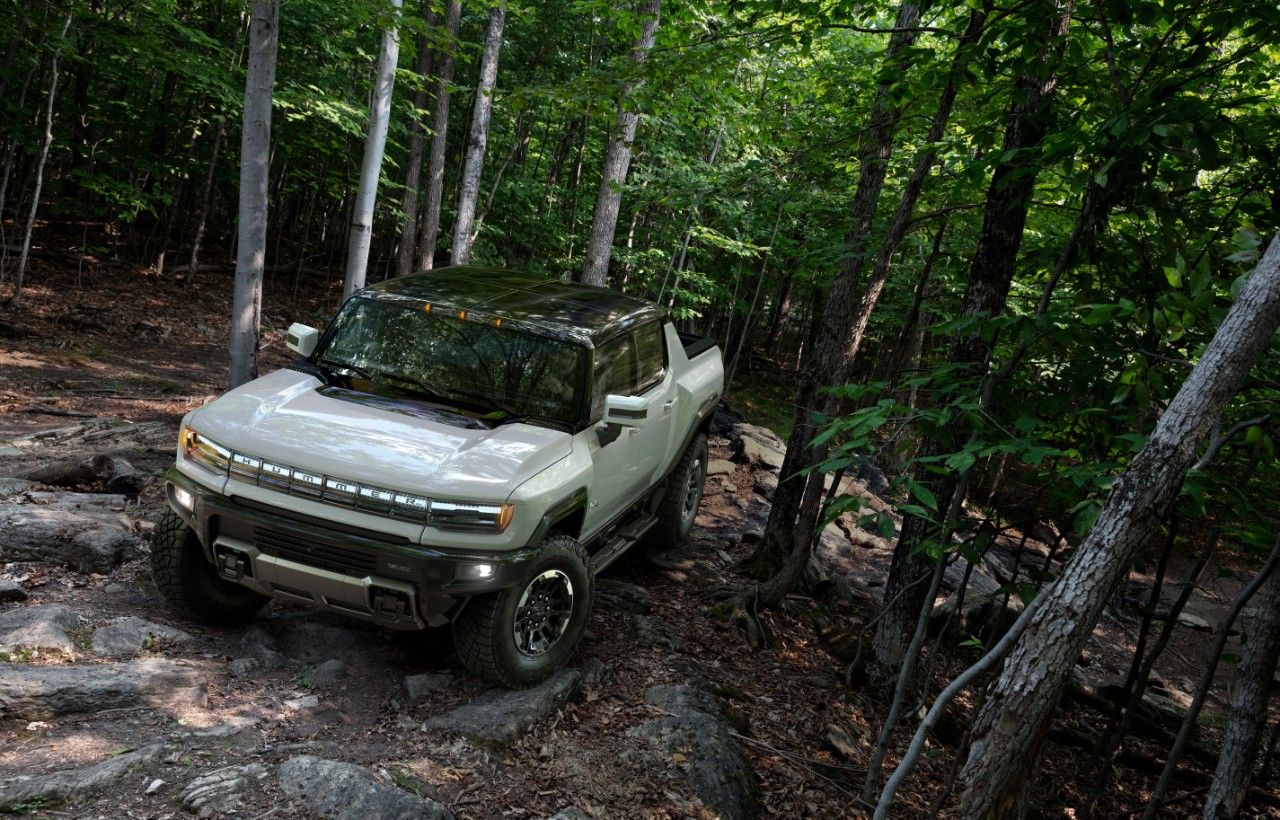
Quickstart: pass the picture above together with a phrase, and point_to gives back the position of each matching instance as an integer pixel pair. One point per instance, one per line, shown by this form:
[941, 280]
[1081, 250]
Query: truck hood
[283, 418]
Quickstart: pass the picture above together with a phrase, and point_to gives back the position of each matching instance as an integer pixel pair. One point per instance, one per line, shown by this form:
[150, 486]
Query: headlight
[462, 516]
[204, 452]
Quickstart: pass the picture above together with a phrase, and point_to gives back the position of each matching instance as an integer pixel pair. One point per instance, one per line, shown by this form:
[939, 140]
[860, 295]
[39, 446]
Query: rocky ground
[113, 706]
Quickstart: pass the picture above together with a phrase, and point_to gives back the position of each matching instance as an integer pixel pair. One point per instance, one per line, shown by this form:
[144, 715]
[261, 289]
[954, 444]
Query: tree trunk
[793, 522]
[479, 139]
[618, 158]
[255, 147]
[781, 312]
[990, 275]
[417, 147]
[371, 166]
[1008, 731]
[205, 199]
[44, 157]
[440, 128]
[1248, 707]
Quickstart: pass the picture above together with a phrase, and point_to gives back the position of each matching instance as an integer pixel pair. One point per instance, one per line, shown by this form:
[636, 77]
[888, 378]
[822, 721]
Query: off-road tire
[683, 496]
[485, 634]
[190, 583]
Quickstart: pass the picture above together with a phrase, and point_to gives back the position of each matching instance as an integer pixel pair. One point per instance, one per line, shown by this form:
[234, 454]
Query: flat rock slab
[13, 486]
[656, 632]
[43, 627]
[218, 793]
[69, 786]
[82, 537]
[503, 716]
[330, 788]
[720, 466]
[697, 738]
[37, 692]
[129, 635]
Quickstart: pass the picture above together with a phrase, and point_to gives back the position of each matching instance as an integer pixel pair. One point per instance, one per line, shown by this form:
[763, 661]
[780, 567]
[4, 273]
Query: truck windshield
[477, 362]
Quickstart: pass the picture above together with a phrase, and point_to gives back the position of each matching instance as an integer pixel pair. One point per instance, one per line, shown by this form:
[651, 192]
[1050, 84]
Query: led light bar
[449, 515]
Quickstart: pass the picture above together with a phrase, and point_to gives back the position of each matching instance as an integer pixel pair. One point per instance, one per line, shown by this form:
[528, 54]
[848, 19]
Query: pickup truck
[469, 446]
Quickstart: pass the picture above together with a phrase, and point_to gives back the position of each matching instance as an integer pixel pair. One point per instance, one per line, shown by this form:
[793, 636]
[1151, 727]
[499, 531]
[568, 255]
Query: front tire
[518, 637]
[190, 583]
[683, 496]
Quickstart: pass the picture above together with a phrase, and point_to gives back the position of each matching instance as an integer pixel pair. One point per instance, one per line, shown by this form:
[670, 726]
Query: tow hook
[232, 565]
[389, 605]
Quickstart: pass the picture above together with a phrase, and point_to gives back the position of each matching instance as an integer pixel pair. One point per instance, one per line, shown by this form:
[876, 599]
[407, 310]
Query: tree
[255, 159]
[439, 139]
[371, 166]
[618, 157]
[1010, 728]
[417, 147]
[991, 274]
[478, 139]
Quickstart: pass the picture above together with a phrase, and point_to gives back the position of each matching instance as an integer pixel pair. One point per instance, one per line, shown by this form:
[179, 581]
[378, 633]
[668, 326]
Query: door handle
[666, 408]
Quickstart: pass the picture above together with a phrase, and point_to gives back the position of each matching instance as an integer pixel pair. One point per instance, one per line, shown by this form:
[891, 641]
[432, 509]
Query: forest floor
[117, 341]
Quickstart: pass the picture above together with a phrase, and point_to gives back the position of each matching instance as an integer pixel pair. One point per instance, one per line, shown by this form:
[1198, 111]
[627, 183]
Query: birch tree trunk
[417, 147]
[1008, 731]
[478, 140]
[44, 157]
[371, 166]
[255, 156]
[1248, 706]
[618, 158]
[430, 229]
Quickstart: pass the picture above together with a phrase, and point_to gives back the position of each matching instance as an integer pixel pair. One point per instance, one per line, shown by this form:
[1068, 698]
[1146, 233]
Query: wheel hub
[543, 613]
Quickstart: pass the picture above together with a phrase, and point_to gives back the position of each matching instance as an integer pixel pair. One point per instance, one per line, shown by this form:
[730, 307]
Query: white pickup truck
[467, 446]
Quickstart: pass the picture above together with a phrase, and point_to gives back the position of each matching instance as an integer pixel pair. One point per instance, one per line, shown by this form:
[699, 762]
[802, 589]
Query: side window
[615, 372]
[649, 354]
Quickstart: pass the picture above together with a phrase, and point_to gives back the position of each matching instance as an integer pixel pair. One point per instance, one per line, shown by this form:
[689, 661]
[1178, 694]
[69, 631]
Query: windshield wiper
[354, 368]
[488, 400]
[420, 386]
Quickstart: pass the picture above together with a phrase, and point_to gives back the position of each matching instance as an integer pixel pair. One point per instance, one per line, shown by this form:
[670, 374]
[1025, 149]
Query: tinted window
[649, 355]
[615, 372]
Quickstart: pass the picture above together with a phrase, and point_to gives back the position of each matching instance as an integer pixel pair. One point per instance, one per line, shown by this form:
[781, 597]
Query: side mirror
[626, 411]
[302, 339]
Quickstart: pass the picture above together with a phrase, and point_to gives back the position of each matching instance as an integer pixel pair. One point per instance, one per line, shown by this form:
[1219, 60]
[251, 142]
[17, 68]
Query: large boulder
[82, 536]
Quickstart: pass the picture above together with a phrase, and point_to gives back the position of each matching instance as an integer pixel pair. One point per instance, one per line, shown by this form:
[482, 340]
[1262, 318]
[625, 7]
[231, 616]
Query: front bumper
[362, 573]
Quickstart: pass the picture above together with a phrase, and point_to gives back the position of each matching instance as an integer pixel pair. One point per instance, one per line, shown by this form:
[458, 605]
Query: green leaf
[925, 495]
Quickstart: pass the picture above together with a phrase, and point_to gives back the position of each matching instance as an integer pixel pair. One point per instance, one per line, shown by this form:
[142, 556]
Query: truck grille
[313, 553]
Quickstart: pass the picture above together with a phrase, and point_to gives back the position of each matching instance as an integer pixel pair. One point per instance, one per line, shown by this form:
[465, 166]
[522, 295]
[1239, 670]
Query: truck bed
[695, 345]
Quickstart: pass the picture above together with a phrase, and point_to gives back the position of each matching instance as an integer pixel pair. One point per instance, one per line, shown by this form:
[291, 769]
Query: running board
[621, 542]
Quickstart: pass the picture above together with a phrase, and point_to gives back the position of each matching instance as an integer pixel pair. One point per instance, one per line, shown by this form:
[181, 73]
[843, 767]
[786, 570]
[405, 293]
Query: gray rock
[85, 538]
[30, 692]
[620, 596]
[570, 813]
[421, 687]
[125, 636]
[329, 788]
[262, 647]
[750, 451]
[13, 486]
[710, 760]
[311, 641]
[326, 673]
[304, 702]
[34, 627]
[720, 466]
[76, 784]
[11, 591]
[243, 667]
[221, 791]
[1194, 621]
[652, 631]
[502, 716]
[233, 726]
